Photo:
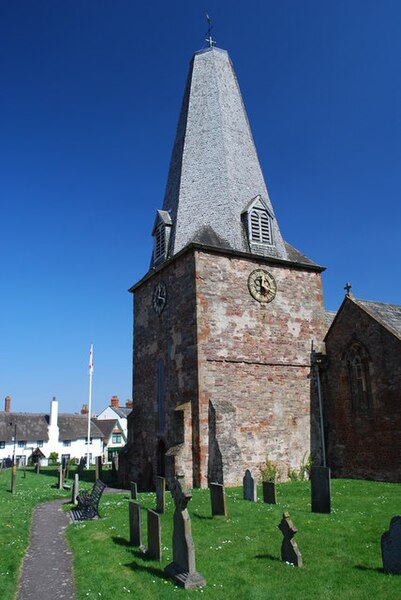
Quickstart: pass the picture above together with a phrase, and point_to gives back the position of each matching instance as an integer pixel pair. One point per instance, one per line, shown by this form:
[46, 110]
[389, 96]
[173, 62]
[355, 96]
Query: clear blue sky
[90, 92]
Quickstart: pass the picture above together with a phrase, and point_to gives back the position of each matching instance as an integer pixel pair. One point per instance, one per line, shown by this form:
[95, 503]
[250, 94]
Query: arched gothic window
[357, 361]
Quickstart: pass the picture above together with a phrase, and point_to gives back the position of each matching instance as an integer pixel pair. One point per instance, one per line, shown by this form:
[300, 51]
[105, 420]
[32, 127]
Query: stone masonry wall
[254, 366]
[363, 444]
[171, 337]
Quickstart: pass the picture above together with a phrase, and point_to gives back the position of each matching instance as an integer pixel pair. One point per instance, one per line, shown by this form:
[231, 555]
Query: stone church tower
[225, 318]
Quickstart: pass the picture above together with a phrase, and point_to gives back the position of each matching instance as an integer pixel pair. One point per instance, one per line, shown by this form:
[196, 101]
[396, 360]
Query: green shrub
[269, 471]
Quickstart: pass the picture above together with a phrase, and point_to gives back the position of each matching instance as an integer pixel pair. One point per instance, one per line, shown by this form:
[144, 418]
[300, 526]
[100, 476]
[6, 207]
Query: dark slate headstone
[391, 547]
[320, 489]
[289, 550]
[134, 490]
[160, 495]
[81, 466]
[154, 550]
[249, 486]
[135, 524]
[218, 500]
[183, 569]
[269, 492]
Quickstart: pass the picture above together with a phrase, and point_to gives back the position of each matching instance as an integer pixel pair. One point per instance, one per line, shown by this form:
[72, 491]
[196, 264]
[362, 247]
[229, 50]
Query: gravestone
[249, 486]
[114, 464]
[289, 550]
[60, 477]
[269, 492]
[98, 467]
[218, 500]
[134, 491]
[160, 495]
[183, 569]
[154, 550]
[81, 466]
[320, 489]
[75, 489]
[391, 547]
[135, 525]
[37, 468]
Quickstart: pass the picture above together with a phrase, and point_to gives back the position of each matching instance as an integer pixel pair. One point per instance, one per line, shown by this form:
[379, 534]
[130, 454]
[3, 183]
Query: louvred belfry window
[160, 242]
[260, 226]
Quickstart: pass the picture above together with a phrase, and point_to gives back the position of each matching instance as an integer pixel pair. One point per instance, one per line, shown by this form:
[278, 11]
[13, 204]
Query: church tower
[225, 318]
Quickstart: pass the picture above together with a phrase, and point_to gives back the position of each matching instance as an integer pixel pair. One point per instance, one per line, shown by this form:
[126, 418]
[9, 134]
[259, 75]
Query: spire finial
[347, 288]
[209, 38]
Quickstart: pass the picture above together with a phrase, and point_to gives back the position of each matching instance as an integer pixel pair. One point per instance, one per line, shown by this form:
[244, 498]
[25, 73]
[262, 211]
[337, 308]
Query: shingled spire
[216, 194]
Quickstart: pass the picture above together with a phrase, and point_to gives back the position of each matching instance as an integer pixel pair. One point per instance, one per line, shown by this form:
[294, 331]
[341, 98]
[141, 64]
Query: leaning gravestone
[249, 486]
[289, 550]
[391, 547]
[154, 550]
[218, 500]
[160, 495]
[134, 490]
[183, 569]
[135, 525]
[320, 489]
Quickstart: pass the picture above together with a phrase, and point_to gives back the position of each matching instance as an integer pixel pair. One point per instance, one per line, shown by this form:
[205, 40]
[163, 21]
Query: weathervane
[209, 38]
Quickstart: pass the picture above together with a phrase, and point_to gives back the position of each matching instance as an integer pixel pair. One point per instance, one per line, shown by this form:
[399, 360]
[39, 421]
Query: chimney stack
[84, 409]
[7, 404]
[114, 402]
[129, 404]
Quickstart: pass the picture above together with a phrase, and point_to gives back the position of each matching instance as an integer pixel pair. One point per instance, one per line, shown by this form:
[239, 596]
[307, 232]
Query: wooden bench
[88, 503]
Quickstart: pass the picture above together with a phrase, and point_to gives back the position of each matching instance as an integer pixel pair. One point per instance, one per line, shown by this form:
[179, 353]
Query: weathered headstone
[160, 495]
[154, 549]
[289, 550]
[75, 489]
[135, 524]
[391, 547]
[114, 464]
[81, 466]
[134, 491]
[320, 490]
[183, 569]
[37, 468]
[60, 477]
[218, 500]
[98, 466]
[249, 486]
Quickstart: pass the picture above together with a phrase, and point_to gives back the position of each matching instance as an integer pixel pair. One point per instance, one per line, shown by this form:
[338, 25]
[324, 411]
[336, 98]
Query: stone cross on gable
[347, 288]
[209, 38]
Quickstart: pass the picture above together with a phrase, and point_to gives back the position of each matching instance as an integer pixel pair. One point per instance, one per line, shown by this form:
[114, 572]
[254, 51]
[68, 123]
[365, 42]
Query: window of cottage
[260, 229]
[67, 443]
[39, 443]
[116, 438]
[2, 445]
[22, 444]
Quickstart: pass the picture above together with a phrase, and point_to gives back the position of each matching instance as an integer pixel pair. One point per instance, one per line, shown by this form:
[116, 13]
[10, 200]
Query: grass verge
[240, 555]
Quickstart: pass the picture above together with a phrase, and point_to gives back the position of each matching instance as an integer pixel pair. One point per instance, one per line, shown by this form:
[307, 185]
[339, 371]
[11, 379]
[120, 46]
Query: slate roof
[329, 316]
[122, 411]
[106, 426]
[389, 315]
[214, 169]
[33, 426]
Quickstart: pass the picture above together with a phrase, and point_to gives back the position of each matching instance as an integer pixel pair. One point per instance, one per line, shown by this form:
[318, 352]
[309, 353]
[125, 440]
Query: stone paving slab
[47, 567]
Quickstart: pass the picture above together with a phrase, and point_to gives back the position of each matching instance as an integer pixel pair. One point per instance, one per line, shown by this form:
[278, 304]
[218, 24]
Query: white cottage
[66, 434]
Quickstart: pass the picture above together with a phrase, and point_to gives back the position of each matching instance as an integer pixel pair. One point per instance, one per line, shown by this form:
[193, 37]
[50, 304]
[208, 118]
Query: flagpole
[90, 402]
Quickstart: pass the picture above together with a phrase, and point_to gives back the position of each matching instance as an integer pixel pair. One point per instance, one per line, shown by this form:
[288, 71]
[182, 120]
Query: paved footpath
[47, 568]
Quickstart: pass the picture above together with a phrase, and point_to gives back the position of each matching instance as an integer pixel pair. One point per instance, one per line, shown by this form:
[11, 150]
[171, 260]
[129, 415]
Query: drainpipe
[315, 366]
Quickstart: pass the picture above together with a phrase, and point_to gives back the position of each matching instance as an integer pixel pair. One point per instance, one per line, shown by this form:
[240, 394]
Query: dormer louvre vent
[160, 242]
[161, 236]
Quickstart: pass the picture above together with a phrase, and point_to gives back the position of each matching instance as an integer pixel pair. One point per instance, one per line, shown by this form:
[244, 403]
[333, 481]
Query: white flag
[91, 360]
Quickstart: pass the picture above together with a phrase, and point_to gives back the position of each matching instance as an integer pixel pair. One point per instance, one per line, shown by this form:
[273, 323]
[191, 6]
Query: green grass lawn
[240, 555]
[15, 519]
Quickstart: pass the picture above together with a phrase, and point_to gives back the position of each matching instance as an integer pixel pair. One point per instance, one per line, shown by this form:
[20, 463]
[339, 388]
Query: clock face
[159, 297]
[262, 286]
